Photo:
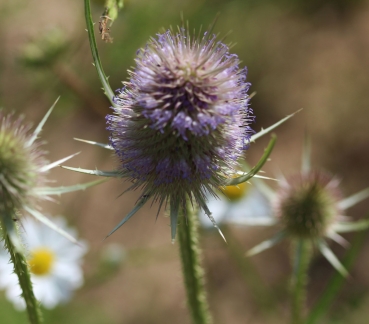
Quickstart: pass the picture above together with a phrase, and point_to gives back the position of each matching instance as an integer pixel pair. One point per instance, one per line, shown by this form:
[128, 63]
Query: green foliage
[76, 312]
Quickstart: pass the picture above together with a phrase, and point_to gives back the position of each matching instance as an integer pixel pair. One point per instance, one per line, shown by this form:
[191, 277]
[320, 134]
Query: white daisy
[54, 262]
[242, 204]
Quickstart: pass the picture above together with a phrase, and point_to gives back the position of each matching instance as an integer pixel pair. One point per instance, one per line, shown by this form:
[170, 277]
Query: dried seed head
[19, 163]
[182, 120]
[307, 204]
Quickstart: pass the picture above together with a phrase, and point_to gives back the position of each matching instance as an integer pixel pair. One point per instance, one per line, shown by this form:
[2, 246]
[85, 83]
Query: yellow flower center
[235, 192]
[41, 261]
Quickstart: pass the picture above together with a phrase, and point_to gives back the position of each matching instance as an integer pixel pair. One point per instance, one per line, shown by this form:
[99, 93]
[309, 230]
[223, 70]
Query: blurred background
[300, 54]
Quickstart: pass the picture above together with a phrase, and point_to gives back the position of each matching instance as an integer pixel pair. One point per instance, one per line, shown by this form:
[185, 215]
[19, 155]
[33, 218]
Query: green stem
[192, 269]
[95, 54]
[299, 280]
[22, 271]
[261, 294]
[336, 282]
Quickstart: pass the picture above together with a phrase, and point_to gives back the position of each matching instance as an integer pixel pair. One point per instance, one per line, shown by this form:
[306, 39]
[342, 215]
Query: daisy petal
[254, 221]
[268, 192]
[218, 208]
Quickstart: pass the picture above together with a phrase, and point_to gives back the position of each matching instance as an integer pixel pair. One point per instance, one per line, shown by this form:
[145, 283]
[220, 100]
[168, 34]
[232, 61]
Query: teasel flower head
[23, 171]
[307, 204]
[20, 160]
[183, 119]
[181, 123]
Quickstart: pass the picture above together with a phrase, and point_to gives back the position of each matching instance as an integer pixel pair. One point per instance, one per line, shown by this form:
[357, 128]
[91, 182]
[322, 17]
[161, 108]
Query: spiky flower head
[182, 120]
[20, 161]
[23, 170]
[308, 203]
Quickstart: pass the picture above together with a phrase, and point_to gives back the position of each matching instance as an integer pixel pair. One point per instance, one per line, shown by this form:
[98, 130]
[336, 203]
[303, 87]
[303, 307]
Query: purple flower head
[182, 120]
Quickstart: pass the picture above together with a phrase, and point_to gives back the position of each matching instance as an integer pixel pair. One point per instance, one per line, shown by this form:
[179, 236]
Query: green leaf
[256, 168]
[50, 191]
[138, 206]
[41, 124]
[266, 244]
[113, 7]
[270, 128]
[110, 174]
[95, 54]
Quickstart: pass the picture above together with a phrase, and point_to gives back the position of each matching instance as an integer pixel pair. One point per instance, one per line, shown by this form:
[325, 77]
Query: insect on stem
[103, 27]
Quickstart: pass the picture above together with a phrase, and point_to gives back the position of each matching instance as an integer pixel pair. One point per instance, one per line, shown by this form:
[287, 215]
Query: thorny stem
[22, 271]
[299, 280]
[191, 265]
[95, 54]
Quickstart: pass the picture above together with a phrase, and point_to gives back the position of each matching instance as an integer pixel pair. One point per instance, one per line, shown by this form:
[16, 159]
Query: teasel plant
[309, 209]
[23, 184]
[178, 129]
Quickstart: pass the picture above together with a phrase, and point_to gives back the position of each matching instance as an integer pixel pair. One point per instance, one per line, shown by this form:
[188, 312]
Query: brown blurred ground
[316, 60]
